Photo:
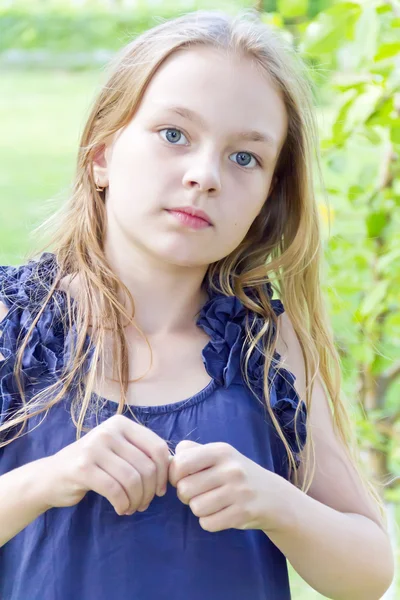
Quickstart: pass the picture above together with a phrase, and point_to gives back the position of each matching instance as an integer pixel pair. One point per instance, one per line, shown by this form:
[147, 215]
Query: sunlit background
[52, 59]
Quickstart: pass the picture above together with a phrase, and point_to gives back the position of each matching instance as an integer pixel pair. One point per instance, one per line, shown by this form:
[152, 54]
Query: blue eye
[243, 156]
[176, 135]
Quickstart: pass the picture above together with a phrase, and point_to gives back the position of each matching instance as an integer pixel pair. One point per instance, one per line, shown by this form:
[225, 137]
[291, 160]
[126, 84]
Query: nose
[204, 174]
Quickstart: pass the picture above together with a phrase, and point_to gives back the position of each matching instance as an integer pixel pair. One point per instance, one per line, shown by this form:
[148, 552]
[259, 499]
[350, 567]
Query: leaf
[331, 28]
[363, 106]
[382, 114]
[376, 222]
[366, 35]
[387, 51]
[290, 9]
[374, 298]
[340, 123]
[395, 133]
[384, 261]
[372, 136]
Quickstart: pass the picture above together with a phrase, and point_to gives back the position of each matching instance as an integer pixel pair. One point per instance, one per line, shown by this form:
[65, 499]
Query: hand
[121, 460]
[225, 488]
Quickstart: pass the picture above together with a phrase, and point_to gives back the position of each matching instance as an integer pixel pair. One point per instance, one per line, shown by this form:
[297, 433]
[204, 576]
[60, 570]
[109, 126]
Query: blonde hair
[283, 245]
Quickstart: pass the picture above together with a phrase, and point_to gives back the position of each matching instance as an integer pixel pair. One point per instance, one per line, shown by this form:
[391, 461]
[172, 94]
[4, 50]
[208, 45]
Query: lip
[190, 221]
[193, 212]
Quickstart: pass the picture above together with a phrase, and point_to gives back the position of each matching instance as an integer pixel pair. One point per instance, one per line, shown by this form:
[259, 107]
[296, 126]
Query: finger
[185, 445]
[105, 485]
[224, 519]
[211, 502]
[143, 464]
[127, 476]
[191, 461]
[152, 445]
[199, 483]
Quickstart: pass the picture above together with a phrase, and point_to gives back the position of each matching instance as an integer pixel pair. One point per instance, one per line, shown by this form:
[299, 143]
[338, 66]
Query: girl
[152, 329]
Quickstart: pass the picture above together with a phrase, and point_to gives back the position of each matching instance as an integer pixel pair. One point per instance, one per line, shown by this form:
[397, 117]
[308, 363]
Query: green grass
[41, 118]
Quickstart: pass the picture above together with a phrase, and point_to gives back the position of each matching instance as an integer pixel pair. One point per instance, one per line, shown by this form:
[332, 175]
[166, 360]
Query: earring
[98, 187]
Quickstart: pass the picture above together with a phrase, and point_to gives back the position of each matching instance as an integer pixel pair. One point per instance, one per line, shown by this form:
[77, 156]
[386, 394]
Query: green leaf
[374, 298]
[395, 133]
[382, 114]
[372, 136]
[290, 9]
[331, 28]
[366, 35]
[340, 123]
[384, 261]
[363, 106]
[387, 51]
[376, 222]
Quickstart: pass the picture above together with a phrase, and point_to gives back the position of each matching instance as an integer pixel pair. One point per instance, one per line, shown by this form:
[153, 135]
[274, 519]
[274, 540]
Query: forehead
[229, 92]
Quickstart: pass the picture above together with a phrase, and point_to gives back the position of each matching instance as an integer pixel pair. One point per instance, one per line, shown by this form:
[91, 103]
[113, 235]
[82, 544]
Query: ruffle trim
[23, 290]
[222, 318]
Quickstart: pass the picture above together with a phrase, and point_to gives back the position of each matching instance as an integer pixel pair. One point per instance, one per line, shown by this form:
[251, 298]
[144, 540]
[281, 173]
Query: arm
[21, 498]
[343, 556]
[333, 536]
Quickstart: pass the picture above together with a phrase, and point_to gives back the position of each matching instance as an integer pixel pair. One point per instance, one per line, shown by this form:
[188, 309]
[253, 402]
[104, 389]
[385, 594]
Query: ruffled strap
[223, 319]
[284, 398]
[284, 401]
[23, 290]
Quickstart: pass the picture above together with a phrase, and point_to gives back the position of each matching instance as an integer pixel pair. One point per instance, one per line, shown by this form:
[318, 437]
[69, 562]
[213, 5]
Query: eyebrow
[251, 135]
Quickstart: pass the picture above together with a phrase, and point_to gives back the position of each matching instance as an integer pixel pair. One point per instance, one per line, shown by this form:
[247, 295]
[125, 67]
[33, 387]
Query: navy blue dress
[88, 551]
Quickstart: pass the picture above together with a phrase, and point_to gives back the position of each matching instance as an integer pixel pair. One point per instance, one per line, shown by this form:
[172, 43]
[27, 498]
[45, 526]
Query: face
[190, 144]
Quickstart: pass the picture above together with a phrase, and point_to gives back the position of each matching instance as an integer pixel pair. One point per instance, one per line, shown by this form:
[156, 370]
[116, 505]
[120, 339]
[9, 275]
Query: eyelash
[259, 164]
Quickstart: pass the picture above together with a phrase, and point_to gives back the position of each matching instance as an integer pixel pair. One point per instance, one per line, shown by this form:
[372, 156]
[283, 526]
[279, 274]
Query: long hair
[283, 245]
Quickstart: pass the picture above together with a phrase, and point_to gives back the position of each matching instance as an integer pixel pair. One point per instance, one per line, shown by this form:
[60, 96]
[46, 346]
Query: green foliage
[360, 149]
[63, 27]
[66, 30]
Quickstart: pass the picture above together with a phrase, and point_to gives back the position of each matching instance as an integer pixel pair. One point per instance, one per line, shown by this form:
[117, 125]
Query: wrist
[38, 485]
[282, 516]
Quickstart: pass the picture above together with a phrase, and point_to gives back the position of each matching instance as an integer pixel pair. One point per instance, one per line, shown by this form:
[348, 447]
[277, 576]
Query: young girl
[151, 329]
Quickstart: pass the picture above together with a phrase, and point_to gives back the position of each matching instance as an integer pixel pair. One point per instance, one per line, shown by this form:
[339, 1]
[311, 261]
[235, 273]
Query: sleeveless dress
[88, 551]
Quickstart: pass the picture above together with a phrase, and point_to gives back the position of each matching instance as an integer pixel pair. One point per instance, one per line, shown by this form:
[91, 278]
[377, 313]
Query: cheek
[139, 166]
[242, 210]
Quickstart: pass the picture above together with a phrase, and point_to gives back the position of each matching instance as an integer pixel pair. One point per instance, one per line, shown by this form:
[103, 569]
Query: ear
[100, 165]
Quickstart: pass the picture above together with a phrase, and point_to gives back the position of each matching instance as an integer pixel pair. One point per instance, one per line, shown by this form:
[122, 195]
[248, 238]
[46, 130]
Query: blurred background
[52, 59]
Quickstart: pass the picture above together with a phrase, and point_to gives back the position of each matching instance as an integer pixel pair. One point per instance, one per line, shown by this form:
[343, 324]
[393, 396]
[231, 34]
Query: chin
[183, 256]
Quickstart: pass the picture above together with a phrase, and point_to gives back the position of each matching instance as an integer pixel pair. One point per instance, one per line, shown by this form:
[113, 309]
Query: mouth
[188, 220]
